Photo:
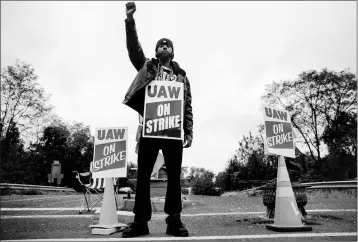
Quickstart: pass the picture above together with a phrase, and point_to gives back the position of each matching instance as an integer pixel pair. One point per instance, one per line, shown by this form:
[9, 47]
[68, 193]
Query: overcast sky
[229, 50]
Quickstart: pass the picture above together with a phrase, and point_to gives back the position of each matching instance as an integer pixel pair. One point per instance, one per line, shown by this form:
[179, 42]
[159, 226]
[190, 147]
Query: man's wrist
[189, 136]
[130, 18]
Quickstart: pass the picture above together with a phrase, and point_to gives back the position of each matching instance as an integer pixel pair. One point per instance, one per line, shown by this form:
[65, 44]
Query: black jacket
[147, 70]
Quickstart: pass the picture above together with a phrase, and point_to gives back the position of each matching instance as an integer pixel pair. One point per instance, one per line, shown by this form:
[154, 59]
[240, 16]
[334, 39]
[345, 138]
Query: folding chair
[93, 188]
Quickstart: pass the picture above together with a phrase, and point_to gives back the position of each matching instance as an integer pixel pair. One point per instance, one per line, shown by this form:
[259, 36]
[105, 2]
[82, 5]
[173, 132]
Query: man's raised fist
[130, 9]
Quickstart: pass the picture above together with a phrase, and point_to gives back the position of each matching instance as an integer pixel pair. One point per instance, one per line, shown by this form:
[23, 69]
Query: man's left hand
[187, 141]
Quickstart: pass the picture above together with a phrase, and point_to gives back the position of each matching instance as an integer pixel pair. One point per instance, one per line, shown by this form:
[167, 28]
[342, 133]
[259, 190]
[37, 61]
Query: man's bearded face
[164, 52]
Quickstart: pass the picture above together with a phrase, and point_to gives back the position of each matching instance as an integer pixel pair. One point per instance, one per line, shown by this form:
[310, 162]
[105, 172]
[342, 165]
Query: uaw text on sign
[110, 152]
[278, 131]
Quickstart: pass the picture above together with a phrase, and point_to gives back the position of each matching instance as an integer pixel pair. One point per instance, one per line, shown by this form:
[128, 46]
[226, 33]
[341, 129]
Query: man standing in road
[161, 68]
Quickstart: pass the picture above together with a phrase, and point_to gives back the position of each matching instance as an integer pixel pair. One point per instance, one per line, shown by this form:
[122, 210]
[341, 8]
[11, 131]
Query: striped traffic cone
[287, 216]
[108, 220]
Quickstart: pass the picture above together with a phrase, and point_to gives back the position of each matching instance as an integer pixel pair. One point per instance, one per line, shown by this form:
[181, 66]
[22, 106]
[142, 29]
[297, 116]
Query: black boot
[136, 229]
[175, 227]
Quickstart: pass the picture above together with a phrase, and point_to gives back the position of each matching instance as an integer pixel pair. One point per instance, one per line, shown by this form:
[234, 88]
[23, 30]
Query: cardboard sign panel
[163, 110]
[279, 135]
[278, 132]
[110, 153]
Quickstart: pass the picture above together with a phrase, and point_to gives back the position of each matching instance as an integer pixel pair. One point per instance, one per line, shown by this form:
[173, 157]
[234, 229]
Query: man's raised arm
[135, 51]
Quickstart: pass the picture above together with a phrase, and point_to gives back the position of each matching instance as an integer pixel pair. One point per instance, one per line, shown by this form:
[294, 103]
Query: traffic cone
[287, 216]
[108, 221]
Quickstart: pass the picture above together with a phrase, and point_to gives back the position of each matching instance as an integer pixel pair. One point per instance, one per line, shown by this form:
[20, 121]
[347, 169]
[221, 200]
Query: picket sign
[279, 136]
[163, 110]
[110, 153]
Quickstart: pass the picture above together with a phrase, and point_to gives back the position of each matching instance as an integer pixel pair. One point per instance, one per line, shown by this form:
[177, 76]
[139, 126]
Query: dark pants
[147, 156]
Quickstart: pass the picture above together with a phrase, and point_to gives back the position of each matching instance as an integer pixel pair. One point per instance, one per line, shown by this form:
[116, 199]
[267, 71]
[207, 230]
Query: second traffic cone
[287, 216]
[108, 221]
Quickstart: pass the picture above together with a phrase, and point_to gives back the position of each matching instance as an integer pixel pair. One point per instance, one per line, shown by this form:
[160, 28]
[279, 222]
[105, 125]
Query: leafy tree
[12, 156]
[80, 145]
[72, 145]
[55, 142]
[251, 153]
[38, 167]
[341, 136]
[227, 179]
[52, 146]
[17, 165]
[202, 181]
[341, 139]
[23, 101]
[315, 101]
[222, 180]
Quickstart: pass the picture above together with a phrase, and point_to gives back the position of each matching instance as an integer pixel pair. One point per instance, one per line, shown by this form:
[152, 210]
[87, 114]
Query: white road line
[128, 213]
[76, 200]
[40, 209]
[30, 199]
[248, 213]
[50, 216]
[331, 210]
[183, 215]
[64, 202]
[228, 237]
[218, 214]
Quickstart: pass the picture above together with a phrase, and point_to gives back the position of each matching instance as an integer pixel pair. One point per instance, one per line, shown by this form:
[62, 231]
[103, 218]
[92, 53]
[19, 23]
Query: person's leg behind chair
[147, 155]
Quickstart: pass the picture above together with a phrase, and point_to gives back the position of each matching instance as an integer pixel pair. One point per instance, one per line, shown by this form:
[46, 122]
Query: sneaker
[175, 227]
[135, 229]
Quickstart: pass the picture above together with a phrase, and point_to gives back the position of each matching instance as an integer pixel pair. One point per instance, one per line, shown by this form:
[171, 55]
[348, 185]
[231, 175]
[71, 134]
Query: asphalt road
[56, 217]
